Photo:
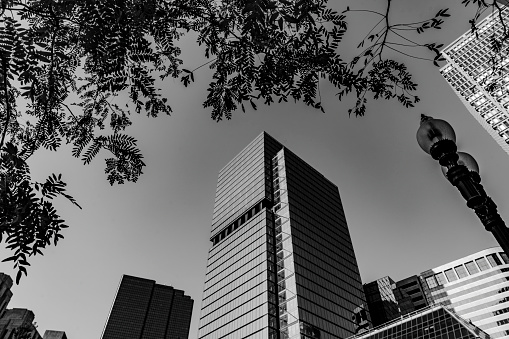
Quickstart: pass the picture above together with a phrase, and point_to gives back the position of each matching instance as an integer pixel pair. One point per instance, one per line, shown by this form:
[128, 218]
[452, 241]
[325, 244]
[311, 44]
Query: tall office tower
[18, 322]
[145, 310]
[281, 262]
[49, 334]
[468, 72]
[476, 287]
[5, 292]
[433, 322]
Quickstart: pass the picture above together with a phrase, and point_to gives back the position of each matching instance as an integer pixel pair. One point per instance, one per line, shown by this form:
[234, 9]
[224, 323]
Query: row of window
[464, 270]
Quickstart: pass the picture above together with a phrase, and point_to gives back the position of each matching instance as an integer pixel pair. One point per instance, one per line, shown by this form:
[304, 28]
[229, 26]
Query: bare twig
[387, 30]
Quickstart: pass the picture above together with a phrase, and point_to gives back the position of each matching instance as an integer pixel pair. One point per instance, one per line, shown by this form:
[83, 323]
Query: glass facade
[478, 292]
[145, 310]
[429, 323]
[381, 300]
[469, 72]
[281, 263]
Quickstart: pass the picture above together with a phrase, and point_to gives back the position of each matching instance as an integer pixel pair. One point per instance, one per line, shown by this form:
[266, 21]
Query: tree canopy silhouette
[64, 61]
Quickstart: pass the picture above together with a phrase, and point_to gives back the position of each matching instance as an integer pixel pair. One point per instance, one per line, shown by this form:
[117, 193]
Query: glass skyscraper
[145, 310]
[469, 72]
[281, 262]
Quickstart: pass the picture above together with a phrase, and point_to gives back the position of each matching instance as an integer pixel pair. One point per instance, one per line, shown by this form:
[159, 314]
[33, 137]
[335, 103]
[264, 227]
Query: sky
[403, 215]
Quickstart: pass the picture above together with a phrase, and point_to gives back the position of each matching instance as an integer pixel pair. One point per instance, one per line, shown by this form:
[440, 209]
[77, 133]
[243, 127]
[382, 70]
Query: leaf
[18, 277]
[13, 258]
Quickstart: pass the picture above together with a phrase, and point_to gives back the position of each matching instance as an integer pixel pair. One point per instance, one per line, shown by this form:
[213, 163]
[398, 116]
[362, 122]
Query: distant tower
[54, 335]
[281, 263]
[145, 310]
[468, 72]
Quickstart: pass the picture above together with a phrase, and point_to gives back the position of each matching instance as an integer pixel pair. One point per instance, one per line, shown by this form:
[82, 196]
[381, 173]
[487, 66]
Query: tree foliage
[65, 62]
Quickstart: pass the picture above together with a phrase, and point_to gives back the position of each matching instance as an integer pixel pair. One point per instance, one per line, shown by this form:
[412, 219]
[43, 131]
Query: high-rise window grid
[143, 309]
[281, 264]
[468, 71]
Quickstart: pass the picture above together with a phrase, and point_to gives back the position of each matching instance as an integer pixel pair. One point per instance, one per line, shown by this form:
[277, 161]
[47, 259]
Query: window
[494, 260]
[482, 263]
[461, 271]
[431, 282]
[471, 267]
[450, 275]
[505, 258]
[441, 278]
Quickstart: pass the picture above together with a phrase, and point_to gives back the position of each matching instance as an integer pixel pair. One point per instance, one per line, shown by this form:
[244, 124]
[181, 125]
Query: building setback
[281, 262]
[469, 72]
[435, 322]
[143, 309]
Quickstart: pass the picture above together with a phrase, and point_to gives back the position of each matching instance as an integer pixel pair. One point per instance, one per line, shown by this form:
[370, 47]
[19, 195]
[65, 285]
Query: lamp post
[437, 138]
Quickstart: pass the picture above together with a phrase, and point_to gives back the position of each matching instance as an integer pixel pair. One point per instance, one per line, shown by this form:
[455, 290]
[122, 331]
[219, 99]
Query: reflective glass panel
[450, 275]
[431, 282]
[482, 263]
[440, 278]
[461, 271]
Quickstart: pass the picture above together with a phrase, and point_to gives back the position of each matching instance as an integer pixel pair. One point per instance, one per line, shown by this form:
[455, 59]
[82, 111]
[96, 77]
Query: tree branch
[387, 25]
[7, 106]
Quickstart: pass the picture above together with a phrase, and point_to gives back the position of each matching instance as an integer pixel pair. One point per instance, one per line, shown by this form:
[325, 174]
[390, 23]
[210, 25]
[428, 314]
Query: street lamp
[437, 138]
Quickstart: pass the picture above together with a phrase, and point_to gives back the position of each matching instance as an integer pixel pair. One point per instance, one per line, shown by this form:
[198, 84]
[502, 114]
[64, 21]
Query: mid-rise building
[281, 263]
[469, 72]
[388, 300]
[381, 300]
[5, 292]
[432, 322]
[50, 334]
[143, 309]
[410, 295]
[18, 322]
[475, 287]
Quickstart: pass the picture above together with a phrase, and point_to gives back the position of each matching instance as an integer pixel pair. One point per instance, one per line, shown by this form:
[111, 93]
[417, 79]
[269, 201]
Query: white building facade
[469, 72]
[475, 287]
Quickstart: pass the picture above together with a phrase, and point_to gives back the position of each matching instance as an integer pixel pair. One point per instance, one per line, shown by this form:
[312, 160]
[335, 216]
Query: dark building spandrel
[281, 263]
[410, 294]
[143, 309]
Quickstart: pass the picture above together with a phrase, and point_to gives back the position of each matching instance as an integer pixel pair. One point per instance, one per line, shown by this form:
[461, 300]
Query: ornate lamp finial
[425, 118]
